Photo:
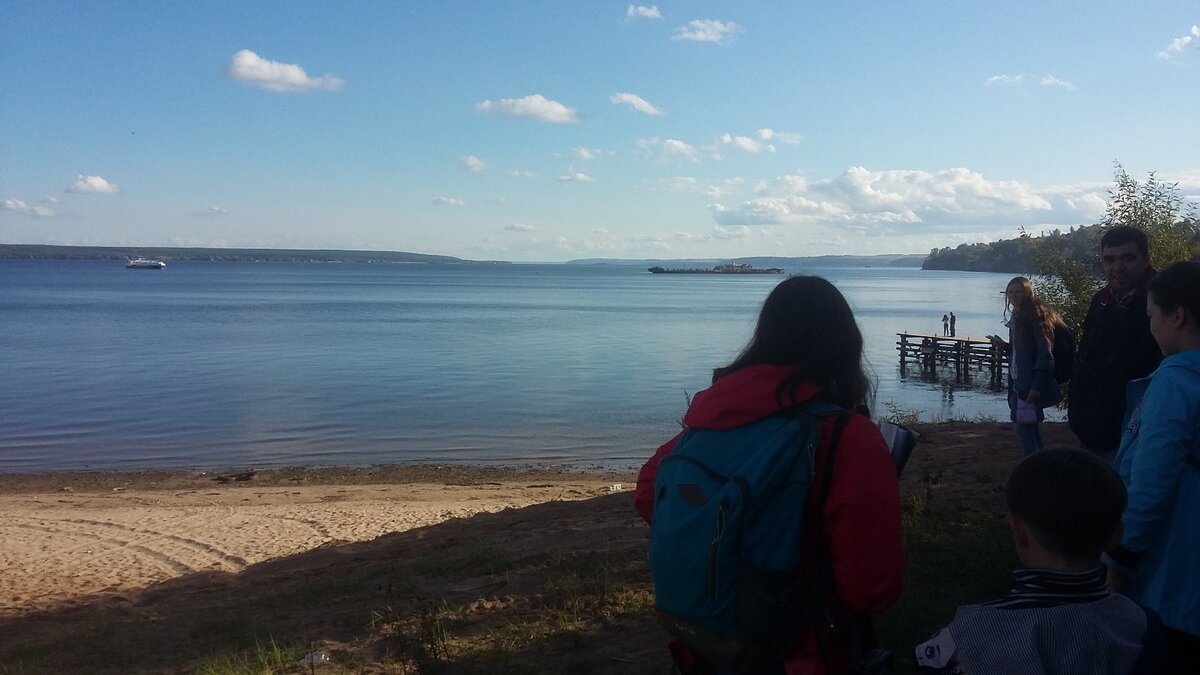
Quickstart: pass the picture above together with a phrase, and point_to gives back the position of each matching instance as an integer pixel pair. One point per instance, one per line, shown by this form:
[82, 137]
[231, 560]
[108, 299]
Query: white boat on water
[146, 264]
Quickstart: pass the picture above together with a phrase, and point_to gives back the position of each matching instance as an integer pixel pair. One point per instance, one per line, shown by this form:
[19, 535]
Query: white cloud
[1020, 80]
[1182, 45]
[1004, 80]
[707, 30]
[212, 212]
[678, 148]
[672, 149]
[911, 198]
[448, 201]
[520, 227]
[760, 142]
[1080, 203]
[1187, 180]
[1052, 81]
[736, 232]
[746, 144]
[534, 106]
[521, 173]
[93, 185]
[284, 78]
[713, 190]
[473, 163]
[18, 206]
[780, 136]
[586, 154]
[642, 12]
[684, 184]
[636, 102]
[723, 188]
[575, 177]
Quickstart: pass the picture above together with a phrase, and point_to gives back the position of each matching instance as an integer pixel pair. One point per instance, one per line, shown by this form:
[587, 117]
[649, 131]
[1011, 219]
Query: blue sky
[550, 131]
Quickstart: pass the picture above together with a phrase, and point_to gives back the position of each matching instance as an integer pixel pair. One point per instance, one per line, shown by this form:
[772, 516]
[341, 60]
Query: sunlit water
[214, 365]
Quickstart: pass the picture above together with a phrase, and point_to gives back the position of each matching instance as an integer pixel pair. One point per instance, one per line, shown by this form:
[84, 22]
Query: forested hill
[1014, 255]
[46, 252]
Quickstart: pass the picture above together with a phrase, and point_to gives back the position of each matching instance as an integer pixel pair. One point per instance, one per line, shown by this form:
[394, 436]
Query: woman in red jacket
[807, 346]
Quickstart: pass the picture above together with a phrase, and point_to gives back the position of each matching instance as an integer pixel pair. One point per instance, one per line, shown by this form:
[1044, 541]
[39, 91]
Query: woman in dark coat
[1031, 383]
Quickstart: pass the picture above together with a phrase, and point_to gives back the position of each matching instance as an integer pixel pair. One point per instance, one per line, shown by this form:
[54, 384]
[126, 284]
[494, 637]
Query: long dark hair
[806, 323]
[1033, 316]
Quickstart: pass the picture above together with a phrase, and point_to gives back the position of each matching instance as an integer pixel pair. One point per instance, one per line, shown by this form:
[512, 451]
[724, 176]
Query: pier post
[930, 351]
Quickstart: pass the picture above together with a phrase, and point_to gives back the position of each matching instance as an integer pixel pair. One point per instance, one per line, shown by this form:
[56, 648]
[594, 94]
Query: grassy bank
[560, 587]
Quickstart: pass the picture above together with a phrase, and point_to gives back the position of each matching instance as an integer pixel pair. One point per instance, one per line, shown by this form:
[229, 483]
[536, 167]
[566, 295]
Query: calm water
[217, 365]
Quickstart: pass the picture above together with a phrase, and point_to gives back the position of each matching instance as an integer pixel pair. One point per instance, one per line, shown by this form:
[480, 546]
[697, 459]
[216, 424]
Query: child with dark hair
[1064, 510]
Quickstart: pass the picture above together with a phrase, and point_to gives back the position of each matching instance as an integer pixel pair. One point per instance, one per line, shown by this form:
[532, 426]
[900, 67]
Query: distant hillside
[1017, 255]
[45, 252]
[886, 260]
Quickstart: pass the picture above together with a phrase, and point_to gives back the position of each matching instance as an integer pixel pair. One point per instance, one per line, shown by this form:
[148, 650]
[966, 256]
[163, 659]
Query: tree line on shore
[1158, 208]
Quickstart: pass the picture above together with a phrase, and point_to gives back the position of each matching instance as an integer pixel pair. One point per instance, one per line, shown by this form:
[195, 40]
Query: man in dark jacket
[1116, 345]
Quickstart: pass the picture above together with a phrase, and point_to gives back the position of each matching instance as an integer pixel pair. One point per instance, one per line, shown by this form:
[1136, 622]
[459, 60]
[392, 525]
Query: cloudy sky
[548, 131]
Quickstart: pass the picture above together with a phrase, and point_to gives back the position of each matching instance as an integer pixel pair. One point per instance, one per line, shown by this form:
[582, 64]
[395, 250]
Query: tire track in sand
[187, 554]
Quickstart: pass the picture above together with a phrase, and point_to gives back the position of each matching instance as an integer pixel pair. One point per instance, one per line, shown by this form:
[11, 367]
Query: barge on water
[145, 264]
[728, 268]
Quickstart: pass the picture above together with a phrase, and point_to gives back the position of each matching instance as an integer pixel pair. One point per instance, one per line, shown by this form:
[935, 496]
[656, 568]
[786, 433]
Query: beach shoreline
[76, 534]
[209, 564]
[73, 535]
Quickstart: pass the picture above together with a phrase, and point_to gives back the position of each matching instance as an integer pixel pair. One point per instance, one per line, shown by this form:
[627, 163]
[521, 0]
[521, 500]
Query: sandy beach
[73, 535]
[214, 564]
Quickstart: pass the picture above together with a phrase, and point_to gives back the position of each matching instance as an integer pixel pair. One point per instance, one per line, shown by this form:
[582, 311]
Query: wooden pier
[928, 351]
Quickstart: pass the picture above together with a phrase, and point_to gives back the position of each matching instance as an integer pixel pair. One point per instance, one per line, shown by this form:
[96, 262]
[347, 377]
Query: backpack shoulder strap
[835, 439]
[823, 572]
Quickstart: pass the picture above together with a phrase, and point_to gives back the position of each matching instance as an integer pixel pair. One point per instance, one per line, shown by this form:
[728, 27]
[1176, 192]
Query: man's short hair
[1071, 501]
[1125, 234]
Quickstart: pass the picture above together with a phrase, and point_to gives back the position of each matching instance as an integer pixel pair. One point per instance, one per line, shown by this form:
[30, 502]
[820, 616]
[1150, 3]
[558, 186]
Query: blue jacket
[1159, 460]
[1031, 358]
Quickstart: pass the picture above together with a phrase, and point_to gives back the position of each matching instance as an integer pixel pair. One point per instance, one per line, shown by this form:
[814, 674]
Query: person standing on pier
[945, 324]
[1031, 384]
[1116, 345]
[952, 324]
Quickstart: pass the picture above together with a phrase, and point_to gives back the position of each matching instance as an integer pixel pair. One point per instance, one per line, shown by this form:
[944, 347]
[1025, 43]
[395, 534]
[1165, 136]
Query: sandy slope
[60, 543]
[66, 537]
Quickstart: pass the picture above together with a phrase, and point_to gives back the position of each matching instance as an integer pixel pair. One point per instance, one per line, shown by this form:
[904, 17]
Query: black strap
[823, 582]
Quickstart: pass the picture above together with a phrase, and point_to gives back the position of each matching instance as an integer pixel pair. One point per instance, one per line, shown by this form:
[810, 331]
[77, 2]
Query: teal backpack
[727, 535]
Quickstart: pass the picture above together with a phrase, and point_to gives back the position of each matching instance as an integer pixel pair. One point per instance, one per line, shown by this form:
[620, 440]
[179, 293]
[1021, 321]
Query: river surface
[216, 365]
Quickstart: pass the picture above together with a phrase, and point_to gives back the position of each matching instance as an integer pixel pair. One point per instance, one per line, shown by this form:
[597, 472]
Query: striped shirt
[1041, 588]
[1050, 623]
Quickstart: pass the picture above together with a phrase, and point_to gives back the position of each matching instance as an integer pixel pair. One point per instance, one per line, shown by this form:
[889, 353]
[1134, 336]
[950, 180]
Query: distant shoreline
[48, 252]
[204, 254]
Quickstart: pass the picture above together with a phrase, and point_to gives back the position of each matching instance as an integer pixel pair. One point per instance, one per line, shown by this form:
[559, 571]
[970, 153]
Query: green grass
[265, 659]
[464, 600]
[956, 556]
